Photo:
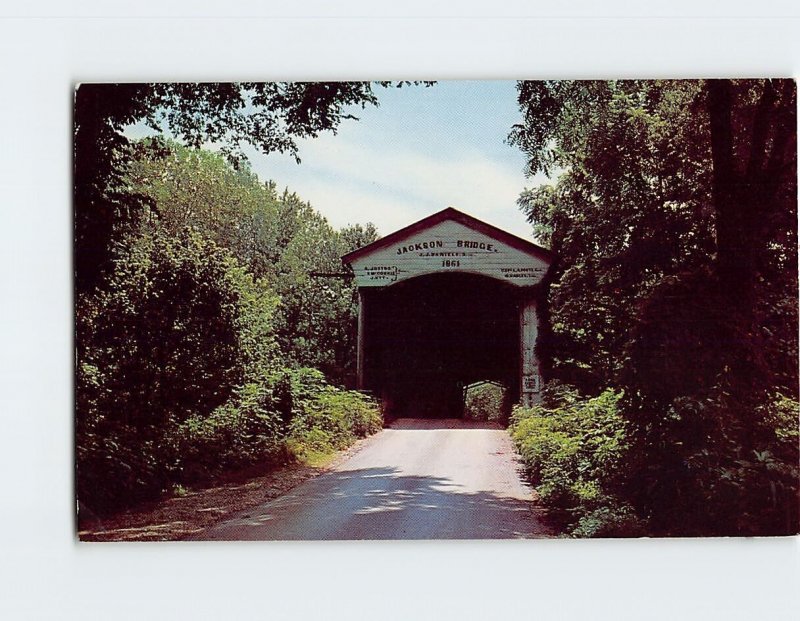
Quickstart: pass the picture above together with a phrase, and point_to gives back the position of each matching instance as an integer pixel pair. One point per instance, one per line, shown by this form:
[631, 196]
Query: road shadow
[381, 503]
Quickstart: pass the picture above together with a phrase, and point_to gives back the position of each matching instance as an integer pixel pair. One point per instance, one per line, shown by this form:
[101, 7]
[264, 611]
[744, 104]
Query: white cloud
[350, 182]
[345, 204]
[354, 178]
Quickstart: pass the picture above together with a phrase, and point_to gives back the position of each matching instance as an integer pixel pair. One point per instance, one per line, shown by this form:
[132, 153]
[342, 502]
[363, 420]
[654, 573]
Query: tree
[659, 178]
[754, 151]
[269, 116]
[631, 206]
[317, 318]
[674, 219]
[180, 330]
[182, 370]
[192, 188]
[279, 238]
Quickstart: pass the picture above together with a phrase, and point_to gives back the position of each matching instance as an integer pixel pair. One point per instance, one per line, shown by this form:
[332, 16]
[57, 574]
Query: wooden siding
[448, 246]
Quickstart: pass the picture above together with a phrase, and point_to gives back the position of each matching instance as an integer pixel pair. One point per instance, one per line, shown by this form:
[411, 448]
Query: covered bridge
[443, 303]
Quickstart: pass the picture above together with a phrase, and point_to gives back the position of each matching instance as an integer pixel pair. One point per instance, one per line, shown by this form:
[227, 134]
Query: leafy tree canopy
[637, 201]
[276, 236]
[674, 218]
[268, 116]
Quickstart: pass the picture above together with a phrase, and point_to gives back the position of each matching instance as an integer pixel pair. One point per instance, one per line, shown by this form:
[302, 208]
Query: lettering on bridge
[466, 244]
[386, 273]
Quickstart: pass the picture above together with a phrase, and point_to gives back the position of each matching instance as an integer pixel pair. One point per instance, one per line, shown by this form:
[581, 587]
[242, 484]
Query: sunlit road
[420, 479]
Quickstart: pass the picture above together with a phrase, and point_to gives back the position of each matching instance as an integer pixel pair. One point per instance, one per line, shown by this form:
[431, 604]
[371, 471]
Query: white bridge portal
[446, 301]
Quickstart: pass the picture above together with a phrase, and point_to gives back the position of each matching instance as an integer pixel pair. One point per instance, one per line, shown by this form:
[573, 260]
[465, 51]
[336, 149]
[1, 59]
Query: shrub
[326, 418]
[179, 377]
[246, 430]
[700, 376]
[740, 477]
[178, 328]
[117, 467]
[573, 450]
[486, 401]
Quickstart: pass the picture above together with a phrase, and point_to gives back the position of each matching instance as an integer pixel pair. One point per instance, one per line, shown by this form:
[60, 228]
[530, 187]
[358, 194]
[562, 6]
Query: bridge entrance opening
[433, 335]
[488, 400]
[443, 303]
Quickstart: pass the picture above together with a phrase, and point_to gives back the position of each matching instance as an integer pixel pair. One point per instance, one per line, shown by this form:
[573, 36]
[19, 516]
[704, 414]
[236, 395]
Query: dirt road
[420, 479]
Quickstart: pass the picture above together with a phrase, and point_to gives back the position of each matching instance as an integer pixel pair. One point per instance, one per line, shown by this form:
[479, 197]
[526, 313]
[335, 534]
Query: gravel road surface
[419, 479]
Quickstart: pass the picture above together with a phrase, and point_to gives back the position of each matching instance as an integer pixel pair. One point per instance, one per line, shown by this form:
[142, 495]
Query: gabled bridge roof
[450, 213]
[446, 242]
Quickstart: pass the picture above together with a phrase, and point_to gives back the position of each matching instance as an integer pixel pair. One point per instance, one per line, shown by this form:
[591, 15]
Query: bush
[326, 418]
[179, 378]
[739, 478]
[701, 373]
[573, 449]
[178, 328]
[486, 401]
[118, 467]
[249, 429]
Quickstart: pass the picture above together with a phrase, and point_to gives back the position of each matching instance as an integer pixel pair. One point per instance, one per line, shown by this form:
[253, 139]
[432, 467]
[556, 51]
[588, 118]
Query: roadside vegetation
[204, 343]
[672, 407]
[487, 401]
[574, 449]
[208, 347]
[203, 353]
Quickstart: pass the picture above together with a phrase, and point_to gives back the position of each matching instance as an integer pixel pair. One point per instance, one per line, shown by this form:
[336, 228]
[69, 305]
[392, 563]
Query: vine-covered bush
[676, 284]
[573, 450]
[709, 419]
[601, 475]
[737, 476]
[247, 429]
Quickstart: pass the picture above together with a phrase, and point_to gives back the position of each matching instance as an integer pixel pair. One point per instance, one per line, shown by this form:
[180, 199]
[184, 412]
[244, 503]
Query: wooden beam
[361, 340]
[530, 377]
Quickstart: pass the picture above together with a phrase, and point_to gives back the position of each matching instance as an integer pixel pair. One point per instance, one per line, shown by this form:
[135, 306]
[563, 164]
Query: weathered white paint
[448, 246]
[530, 376]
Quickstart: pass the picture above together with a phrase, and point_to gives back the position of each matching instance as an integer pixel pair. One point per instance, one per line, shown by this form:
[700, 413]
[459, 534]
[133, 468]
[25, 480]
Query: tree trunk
[750, 153]
[732, 203]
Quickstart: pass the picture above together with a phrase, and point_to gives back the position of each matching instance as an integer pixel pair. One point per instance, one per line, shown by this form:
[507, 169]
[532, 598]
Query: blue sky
[421, 150]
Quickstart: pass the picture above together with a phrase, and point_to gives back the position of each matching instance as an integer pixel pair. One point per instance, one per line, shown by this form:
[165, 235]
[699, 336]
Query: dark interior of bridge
[429, 337]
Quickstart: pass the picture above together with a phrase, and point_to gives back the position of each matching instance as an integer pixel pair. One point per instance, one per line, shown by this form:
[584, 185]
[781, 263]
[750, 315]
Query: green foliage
[700, 383]
[186, 355]
[194, 301]
[180, 377]
[632, 205]
[718, 465]
[487, 401]
[674, 220]
[269, 116]
[116, 465]
[246, 430]
[316, 323]
[573, 449]
[277, 237]
[180, 328]
[326, 418]
[173, 305]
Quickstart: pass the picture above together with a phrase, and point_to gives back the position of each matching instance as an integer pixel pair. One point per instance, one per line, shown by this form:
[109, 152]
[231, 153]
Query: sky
[422, 149]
